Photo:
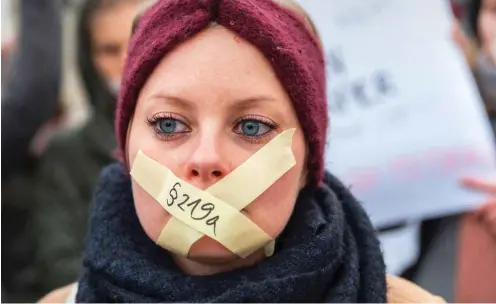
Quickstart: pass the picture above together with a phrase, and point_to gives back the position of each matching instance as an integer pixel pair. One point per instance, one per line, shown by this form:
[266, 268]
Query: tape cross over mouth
[215, 211]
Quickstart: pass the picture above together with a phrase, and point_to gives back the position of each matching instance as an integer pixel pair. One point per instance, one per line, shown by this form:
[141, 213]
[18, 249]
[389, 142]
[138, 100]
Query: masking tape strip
[263, 168]
[215, 218]
[269, 248]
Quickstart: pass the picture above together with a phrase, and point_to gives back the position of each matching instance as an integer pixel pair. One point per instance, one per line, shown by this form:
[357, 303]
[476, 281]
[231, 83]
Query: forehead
[213, 63]
[115, 20]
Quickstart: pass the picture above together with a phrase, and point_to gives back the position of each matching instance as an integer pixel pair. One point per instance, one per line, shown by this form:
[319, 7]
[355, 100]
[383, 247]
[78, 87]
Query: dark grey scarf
[328, 252]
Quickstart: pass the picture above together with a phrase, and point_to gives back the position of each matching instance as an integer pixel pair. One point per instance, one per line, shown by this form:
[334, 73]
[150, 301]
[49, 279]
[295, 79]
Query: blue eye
[250, 128]
[167, 125]
[253, 128]
[170, 126]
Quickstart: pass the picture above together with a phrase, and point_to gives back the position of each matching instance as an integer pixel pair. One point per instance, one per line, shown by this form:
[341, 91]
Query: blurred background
[61, 62]
[72, 94]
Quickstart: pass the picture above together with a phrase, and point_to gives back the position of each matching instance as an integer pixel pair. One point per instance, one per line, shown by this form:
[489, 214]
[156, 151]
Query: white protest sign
[7, 20]
[406, 118]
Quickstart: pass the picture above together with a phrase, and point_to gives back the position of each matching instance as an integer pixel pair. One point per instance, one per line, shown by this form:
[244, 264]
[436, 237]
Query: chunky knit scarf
[327, 253]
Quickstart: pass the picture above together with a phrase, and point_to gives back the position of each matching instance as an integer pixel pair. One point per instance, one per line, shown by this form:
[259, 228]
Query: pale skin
[110, 30]
[223, 100]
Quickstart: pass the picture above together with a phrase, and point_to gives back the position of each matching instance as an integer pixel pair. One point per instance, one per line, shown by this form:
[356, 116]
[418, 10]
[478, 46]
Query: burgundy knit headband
[277, 32]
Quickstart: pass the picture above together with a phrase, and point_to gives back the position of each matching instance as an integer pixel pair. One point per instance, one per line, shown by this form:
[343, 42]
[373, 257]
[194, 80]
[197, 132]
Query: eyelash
[155, 119]
[260, 138]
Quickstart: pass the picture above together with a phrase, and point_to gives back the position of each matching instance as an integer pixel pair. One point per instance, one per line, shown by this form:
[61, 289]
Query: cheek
[137, 140]
[150, 213]
[273, 208]
[270, 211]
[142, 137]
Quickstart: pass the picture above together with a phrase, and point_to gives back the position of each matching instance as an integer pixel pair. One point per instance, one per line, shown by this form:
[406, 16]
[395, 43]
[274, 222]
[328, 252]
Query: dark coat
[59, 193]
[30, 92]
[67, 175]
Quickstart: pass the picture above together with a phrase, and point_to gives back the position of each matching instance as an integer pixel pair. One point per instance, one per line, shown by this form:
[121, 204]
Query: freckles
[272, 209]
[283, 189]
[138, 140]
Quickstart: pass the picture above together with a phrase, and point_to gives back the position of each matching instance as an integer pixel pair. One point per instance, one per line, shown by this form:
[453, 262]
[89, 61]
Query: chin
[208, 251]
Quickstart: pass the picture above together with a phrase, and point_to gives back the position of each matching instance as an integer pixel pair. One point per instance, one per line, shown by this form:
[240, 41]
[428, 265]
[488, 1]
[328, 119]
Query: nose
[207, 163]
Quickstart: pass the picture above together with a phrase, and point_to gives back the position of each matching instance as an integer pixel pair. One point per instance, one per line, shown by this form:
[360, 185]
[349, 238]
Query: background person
[31, 79]
[68, 169]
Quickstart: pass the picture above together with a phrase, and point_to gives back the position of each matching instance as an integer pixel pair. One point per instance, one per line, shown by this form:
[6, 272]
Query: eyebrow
[239, 104]
[176, 101]
[251, 102]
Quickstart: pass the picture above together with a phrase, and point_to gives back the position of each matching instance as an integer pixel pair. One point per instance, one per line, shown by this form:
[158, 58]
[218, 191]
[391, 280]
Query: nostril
[216, 173]
[195, 173]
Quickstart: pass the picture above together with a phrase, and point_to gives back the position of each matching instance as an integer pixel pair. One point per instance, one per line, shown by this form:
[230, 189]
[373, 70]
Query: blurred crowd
[49, 166]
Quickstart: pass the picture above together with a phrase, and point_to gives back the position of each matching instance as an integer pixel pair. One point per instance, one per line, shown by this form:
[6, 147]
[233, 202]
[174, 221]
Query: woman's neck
[197, 268]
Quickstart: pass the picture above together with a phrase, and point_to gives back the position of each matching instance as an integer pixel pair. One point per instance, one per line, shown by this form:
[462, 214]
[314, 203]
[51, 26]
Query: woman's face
[110, 31]
[209, 105]
[487, 26]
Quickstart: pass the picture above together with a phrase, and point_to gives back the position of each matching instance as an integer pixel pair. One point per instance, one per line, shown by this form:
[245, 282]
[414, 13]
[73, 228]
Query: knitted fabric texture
[279, 34]
[328, 252]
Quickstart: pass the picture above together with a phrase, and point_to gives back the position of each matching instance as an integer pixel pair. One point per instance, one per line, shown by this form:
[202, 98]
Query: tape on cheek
[239, 188]
[253, 177]
[242, 186]
[205, 213]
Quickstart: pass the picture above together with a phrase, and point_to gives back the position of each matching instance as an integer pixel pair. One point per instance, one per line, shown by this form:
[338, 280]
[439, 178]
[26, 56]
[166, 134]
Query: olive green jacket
[64, 190]
[46, 213]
